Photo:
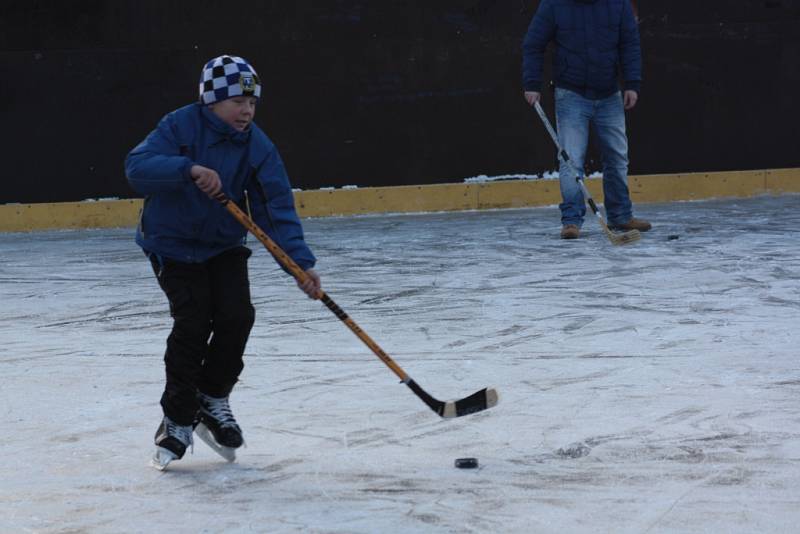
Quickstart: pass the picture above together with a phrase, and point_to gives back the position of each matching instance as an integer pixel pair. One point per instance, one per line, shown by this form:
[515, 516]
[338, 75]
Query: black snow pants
[212, 317]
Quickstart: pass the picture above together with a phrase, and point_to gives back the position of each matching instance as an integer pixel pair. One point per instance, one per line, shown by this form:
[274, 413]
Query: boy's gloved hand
[207, 180]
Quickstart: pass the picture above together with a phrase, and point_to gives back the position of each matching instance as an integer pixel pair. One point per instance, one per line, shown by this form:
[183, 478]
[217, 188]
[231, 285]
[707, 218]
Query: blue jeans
[574, 114]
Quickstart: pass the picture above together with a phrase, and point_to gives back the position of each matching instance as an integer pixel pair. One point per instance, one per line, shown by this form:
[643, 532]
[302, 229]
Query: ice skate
[217, 427]
[171, 440]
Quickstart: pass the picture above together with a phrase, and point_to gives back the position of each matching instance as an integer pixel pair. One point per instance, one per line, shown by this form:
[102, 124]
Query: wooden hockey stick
[616, 239]
[478, 401]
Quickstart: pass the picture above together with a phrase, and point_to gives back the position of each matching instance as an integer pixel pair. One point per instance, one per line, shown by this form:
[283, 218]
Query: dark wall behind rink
[378, 93]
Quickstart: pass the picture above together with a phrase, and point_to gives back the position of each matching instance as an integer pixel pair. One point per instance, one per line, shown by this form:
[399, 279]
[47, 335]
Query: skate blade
[205, 434]
[162, 458]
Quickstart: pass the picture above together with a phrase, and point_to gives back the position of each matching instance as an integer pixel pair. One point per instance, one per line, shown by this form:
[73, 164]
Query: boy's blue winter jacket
[595, 40]
[178, 220]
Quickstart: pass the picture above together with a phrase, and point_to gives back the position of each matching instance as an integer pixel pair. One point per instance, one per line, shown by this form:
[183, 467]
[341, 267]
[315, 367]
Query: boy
[197, 249]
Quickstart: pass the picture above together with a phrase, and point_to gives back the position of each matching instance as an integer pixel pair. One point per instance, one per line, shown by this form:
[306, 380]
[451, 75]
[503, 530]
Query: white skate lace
[180, 432]
[220, 410]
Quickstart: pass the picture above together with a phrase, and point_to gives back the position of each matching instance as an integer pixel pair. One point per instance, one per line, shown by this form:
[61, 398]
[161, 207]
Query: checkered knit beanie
[228, 76]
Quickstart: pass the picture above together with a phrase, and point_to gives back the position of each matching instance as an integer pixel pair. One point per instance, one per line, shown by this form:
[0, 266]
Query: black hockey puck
[673, 237]
[466, 463]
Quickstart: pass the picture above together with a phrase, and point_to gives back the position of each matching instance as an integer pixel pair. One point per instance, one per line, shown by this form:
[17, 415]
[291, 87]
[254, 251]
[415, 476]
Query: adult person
[596, 41]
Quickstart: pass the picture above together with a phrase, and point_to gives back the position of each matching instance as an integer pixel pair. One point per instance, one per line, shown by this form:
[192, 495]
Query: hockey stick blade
[630, 236]
[477, 402]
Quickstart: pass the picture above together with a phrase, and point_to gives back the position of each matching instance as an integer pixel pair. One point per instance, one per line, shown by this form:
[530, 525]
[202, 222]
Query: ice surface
[651, 388]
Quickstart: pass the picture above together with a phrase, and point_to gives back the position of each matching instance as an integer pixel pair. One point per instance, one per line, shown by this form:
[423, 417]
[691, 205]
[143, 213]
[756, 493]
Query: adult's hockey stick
[478, 401]
[616, 239]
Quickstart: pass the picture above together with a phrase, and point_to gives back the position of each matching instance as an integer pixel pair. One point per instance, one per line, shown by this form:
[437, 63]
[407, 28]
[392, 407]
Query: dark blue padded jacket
[595, 40]
[179, 221]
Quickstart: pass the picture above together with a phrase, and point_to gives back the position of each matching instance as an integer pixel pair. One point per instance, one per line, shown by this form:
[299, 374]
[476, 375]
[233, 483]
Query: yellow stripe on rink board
[396, 199]
[66, 215]
[426, 198]
[518, 194]
[783, 181]
[695, 186]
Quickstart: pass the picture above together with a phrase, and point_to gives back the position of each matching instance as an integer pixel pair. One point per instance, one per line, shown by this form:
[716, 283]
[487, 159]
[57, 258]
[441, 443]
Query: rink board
[425, 198]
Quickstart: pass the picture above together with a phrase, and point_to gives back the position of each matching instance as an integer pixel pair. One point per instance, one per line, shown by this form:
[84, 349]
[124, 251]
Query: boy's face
[237, 111]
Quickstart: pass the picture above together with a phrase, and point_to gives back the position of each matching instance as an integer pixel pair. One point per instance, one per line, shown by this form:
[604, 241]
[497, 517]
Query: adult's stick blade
[477, 402]
[626, 238]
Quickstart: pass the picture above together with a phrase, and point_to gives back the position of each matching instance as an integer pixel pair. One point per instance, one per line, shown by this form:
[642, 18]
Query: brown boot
[633, 224]
[570, 231]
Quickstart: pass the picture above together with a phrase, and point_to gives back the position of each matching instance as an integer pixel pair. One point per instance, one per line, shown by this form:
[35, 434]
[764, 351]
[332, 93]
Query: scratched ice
[646, 388]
